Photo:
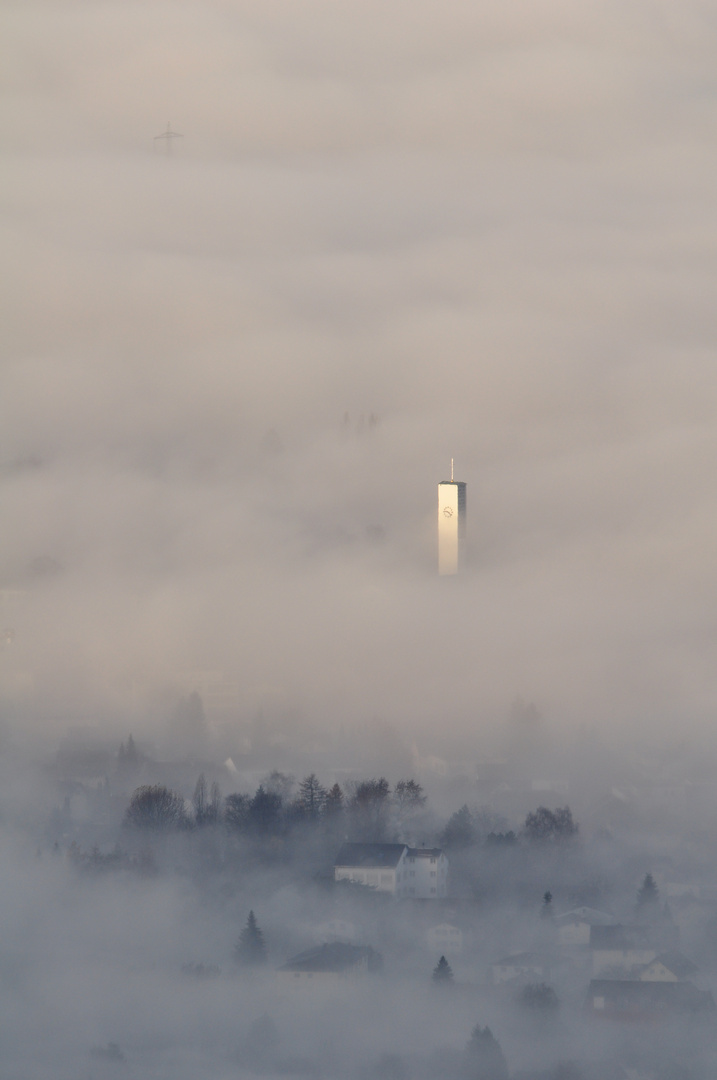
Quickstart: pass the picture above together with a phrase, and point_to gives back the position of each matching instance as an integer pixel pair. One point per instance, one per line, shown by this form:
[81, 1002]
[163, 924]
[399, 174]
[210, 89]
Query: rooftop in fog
[378, 855]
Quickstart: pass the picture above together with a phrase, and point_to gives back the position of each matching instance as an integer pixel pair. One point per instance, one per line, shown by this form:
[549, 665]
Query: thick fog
[235, 371]
[236, 361]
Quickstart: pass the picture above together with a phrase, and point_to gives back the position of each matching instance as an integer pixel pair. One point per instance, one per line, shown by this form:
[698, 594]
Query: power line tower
[166, 139]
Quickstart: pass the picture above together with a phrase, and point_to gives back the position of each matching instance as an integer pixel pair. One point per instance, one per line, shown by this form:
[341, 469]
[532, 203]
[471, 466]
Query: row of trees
[468, 827]
[362, 810]
[365, 810]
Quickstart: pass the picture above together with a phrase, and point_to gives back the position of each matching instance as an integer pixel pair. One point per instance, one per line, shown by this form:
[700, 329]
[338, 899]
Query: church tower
[451, 524]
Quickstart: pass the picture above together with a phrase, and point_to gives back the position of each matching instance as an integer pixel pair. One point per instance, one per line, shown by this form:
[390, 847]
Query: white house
[420, 873]
[379, 866]
[427, 870]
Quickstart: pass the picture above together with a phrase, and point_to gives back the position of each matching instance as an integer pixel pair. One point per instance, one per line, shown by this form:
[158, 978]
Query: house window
[433, 862]
[433, 873]
[433, 890]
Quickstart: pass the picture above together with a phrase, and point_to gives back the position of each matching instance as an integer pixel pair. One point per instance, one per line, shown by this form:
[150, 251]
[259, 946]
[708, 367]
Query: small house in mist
[445, 939]
[573, 927]
[329, 964]
[634, 1001]
[620, 950]
[417, 873]
[525, 967]
[668, 967]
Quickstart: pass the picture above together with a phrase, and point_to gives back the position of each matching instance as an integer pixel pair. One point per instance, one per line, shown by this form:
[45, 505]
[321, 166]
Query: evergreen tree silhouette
[647, 894]
[484, 1058]
[250, 950]
[442, 973]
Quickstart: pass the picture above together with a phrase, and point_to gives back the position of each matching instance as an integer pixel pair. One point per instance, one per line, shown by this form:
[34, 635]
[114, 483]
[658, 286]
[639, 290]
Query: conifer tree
[311, 798]
[250, 950]
[334, 802]
[647, 894]
[442, 973]
[484, 1057]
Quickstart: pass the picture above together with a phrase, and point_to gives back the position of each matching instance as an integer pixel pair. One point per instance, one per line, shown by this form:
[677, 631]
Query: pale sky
[490, 225]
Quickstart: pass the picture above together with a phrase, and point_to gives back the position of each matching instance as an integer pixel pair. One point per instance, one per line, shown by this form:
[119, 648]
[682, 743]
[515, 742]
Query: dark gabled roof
[370, 856]
[425, 852]
[619, 937]
[675, 962]
[333, 956]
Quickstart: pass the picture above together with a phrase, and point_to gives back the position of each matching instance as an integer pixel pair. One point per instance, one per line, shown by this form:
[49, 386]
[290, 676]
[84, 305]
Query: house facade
[445, 939]
[573, 927]
[415, 873]
[380, 866]
[425, 874]
[620, 950]
[668, 967]
[633, 1001]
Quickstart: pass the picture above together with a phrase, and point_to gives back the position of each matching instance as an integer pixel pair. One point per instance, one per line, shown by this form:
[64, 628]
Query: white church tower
[451, 524]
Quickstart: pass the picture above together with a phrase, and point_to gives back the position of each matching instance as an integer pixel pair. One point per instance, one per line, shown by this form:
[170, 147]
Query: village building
[618, 951]
[328, 965]
[416, 873]
[525, 967]
[573, 927]
[633, 1001]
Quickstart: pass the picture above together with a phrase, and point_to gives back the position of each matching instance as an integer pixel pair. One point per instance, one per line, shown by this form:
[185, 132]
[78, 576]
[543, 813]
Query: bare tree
[207, 803]
[199, 800]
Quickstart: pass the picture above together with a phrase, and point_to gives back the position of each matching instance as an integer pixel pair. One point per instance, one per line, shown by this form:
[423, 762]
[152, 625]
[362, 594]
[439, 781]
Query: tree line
[364, 810]
[467, 828]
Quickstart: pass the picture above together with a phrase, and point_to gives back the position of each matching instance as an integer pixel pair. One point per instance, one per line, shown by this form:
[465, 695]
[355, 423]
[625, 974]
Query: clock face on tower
[447, 511]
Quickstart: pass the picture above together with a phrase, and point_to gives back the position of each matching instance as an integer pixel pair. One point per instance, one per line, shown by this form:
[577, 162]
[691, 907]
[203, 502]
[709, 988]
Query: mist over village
[357, 593]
